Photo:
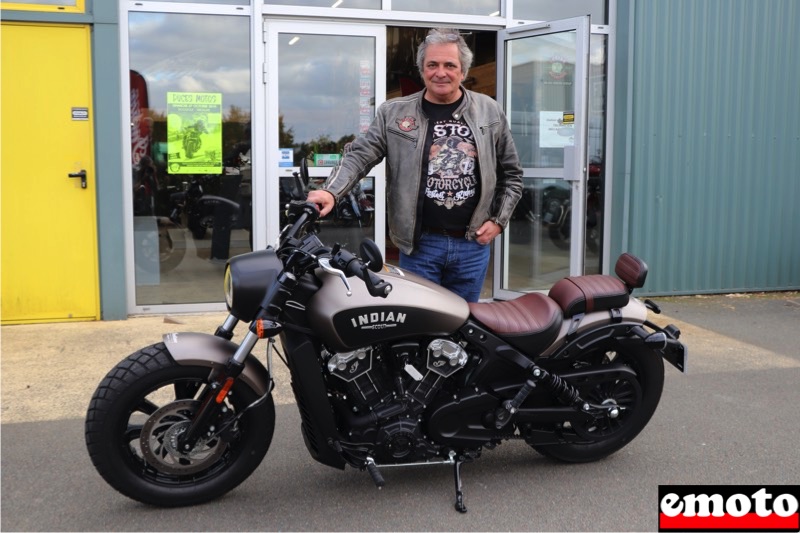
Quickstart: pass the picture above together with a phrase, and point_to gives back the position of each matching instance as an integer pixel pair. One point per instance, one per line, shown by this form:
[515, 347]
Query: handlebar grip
[353, 266]
[376, 286]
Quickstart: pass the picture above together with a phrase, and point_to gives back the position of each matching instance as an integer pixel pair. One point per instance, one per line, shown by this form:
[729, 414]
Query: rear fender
[202, 349]
[626, 334]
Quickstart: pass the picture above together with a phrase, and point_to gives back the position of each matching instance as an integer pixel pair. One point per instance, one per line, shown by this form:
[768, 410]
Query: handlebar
[341, 260]
[352, 266]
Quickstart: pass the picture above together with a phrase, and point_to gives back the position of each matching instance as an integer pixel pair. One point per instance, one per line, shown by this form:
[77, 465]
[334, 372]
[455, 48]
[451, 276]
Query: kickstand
[460, 507]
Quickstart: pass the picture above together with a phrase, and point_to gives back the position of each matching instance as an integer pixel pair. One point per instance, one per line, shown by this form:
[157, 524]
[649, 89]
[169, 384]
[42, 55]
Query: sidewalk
[49, 371]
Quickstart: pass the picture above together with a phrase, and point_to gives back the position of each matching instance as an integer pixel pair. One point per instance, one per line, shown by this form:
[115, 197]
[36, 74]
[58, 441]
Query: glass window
[343, 4]
[595, 187]
[401, 60]
[326, 99]
[456, 7]
[541, 78]
[560, 9]
[190, 145]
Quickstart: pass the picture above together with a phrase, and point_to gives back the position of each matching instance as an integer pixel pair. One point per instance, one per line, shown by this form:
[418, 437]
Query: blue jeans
[454, 263]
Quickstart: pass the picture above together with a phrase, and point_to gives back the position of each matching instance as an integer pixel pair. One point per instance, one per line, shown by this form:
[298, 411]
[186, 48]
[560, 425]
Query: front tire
[139, 408]
[638, 397]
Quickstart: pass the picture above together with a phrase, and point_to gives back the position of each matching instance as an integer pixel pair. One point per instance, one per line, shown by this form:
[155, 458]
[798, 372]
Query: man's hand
[488, 231]
[324, 200]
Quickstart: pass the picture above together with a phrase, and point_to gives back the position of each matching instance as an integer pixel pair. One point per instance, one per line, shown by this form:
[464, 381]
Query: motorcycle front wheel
[136, 415]
[636, 398]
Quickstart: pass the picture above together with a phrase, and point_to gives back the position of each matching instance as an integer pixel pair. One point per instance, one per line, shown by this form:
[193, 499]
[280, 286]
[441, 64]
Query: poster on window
[194, 133]
[556, 129]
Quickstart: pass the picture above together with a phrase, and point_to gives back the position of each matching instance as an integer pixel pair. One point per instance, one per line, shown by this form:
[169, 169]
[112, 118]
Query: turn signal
[224, 390]
[265, 328]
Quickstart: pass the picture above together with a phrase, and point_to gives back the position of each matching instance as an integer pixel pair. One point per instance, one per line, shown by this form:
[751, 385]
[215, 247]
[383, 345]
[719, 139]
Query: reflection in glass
[540, 82]
[538, 250]
[456, 7]
[190, 148]
[327, 98]
[540, 99]
[595, 214]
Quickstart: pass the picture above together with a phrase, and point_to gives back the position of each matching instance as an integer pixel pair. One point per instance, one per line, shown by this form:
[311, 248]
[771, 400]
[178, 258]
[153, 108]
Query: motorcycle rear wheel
[150, 394]
[638, 400]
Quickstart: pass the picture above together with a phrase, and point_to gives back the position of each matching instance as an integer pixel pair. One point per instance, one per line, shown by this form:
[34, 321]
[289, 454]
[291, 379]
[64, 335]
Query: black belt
[455, 233]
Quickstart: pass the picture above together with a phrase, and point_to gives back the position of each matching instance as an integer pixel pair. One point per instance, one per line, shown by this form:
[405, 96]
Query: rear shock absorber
[566, 394]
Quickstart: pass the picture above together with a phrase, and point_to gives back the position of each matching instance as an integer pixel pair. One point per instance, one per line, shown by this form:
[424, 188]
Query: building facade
[146, 142]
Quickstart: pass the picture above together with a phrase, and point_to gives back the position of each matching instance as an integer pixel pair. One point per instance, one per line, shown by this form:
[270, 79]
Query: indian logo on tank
[378, 320]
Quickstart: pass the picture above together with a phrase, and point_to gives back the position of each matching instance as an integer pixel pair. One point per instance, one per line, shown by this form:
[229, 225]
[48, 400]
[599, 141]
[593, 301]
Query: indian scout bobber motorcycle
[387, 370]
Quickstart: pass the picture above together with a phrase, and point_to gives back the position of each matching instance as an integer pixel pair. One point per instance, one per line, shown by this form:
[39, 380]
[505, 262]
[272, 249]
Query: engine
[380, 393]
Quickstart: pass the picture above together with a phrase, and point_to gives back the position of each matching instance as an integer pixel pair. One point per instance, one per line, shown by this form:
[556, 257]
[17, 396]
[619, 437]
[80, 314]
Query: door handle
[81, 175]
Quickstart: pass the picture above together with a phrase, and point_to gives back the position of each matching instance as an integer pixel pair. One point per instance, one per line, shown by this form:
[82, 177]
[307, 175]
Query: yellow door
[49, 237]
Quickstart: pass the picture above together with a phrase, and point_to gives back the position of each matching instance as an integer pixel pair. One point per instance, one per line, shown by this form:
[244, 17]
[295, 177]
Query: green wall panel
[708, 143]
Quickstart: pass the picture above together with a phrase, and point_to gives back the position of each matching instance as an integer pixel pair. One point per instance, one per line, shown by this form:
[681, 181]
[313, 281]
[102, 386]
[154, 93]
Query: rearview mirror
[371, 254]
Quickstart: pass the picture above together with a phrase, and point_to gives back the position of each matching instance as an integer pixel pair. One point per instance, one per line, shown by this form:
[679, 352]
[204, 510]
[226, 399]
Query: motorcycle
[356, 207]
[558, 214]
[387, 369]
[163, 249]
[192, 140]
[199, 211]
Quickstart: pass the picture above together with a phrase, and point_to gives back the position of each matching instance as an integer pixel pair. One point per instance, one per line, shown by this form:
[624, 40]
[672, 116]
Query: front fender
[202, 349]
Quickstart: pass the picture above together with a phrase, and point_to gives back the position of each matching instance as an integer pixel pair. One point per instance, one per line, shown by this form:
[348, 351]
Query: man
[454, 176]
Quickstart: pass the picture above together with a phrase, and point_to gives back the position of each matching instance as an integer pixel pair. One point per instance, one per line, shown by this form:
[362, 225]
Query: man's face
[442, 73]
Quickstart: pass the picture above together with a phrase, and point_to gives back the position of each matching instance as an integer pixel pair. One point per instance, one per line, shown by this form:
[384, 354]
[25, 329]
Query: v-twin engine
[380, 393]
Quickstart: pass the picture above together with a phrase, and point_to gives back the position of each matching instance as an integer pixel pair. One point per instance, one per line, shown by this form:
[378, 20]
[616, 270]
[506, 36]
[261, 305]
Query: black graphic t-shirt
[451, 187]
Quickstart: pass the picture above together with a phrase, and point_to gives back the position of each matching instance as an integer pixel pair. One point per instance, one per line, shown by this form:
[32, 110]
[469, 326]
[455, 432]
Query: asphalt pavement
[732, 419]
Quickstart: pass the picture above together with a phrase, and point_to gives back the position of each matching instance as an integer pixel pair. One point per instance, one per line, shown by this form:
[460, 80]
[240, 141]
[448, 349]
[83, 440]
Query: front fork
[214, 394]
[221, 381]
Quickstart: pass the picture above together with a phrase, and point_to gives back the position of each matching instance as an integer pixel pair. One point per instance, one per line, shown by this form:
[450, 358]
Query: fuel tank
[415, 307]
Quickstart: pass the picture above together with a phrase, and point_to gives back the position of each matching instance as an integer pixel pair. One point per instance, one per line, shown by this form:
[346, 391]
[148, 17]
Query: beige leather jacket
[398, 134]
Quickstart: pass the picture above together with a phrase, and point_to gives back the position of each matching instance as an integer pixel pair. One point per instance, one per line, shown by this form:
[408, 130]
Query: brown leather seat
[598, 292]
[530, 322]
[585, 294]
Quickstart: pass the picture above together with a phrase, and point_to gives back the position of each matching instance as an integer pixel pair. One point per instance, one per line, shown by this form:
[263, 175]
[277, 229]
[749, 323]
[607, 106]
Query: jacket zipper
[487, 126]
[405, 136]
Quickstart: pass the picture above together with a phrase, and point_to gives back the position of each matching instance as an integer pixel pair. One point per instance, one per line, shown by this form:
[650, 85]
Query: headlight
[248, 277]
[227, 286]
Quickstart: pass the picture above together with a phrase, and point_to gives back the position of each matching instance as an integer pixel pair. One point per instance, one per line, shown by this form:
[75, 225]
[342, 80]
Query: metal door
[49, 235]
[542, 82]
[323, 85]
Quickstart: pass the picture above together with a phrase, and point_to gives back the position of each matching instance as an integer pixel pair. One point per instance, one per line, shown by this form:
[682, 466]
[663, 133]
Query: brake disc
[159, 441]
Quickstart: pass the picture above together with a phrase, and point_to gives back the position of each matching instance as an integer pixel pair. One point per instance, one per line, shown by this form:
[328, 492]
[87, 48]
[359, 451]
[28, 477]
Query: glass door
[542, 83]
[324, 83]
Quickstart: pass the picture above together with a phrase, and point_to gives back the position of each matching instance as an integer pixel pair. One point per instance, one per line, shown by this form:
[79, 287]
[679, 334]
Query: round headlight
[227, 286]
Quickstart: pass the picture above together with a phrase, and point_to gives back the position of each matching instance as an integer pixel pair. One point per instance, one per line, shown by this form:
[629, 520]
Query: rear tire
[150, 394]
[614, 434]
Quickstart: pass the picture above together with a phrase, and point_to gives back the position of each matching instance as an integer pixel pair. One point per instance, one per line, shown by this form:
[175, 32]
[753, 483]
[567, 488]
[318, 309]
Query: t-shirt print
[451, 165]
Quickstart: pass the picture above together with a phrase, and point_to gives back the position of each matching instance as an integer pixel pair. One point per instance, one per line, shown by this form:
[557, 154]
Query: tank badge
[381, 320]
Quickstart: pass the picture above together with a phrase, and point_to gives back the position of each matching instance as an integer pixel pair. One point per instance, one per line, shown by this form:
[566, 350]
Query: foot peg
[504, 413]
[377, 477]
